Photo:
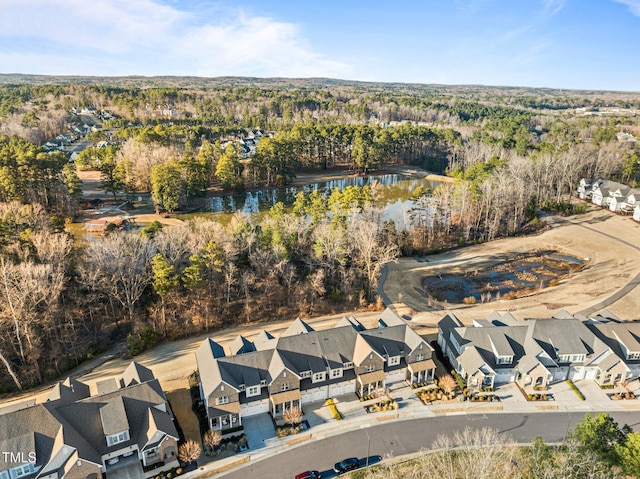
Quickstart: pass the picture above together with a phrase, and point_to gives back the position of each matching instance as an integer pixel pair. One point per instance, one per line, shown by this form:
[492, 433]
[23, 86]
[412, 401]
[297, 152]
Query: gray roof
[297, 327]
[68, 422]
[389, 318]
[264, 340]
[241, 345]
[616, 334]
[350, 321]
[114, 416]
[135, 373]
[530, 342]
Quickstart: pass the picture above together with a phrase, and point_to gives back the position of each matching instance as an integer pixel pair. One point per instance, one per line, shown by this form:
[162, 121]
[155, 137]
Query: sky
[578, 44]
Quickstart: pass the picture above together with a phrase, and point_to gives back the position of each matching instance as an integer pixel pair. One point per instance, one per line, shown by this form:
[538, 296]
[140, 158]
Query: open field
[608, 243]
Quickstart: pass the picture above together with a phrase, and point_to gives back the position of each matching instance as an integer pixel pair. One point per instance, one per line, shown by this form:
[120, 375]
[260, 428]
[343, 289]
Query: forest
[511, 152]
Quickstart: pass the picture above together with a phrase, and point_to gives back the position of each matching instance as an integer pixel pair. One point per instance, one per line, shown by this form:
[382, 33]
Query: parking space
[259, 430]
[126, 468]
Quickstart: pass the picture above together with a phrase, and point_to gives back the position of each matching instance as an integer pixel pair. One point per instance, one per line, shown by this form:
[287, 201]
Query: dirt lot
[610, 242]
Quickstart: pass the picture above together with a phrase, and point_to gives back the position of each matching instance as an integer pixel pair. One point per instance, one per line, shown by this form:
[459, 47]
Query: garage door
[253, 408]
[503, 378]
[313, 395]
[559, 375]
[340, 389]
[395, 376]
[577, 373]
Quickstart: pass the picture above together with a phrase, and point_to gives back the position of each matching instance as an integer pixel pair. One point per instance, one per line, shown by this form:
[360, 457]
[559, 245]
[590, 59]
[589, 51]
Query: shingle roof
[264, 340]
[241, 345]
[114, 416]
[135, 373]
[297, 327]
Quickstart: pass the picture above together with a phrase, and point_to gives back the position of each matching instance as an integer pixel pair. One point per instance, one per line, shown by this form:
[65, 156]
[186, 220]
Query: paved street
[404, 437]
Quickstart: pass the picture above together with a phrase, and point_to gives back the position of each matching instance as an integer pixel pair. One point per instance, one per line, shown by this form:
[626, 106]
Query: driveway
[126, 468]
[259, 430]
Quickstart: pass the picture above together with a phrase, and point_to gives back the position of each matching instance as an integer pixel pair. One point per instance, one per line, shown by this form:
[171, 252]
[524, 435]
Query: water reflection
[393, 191]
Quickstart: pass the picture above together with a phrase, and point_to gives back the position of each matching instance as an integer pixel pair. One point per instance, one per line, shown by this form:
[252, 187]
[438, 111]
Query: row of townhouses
[616, 196]
[269, 374]
[538, 352]
[75, 435]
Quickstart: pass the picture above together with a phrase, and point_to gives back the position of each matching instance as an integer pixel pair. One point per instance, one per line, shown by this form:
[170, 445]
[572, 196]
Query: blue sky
[585, 44]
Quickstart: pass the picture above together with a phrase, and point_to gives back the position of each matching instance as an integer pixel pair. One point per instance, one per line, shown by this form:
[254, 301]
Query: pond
[518, 276]
[393, 191]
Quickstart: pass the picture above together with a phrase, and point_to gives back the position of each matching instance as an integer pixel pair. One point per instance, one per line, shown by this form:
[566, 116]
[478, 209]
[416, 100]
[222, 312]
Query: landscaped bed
[384, 405]
[540, 397]
[618, 396]
[290, 430]
[484, 398]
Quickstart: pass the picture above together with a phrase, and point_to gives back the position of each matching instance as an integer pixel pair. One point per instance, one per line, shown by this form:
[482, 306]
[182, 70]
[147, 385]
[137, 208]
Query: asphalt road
[404, 437]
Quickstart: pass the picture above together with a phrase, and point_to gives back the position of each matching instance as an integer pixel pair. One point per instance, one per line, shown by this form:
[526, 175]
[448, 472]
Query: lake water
[392, 190]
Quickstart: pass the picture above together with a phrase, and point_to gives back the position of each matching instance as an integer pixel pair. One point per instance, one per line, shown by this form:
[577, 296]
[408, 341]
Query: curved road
[404, 437]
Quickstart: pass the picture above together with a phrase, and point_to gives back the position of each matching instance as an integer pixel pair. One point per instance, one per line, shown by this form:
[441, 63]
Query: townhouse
[616, 196]
[75, 435]
[538, 352]
[270, 375]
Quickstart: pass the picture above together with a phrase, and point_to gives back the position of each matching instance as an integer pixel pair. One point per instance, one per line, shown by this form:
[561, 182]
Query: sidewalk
[512, 400]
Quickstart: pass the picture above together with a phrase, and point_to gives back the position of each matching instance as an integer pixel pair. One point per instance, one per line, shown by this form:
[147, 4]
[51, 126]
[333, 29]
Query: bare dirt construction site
[600, 249]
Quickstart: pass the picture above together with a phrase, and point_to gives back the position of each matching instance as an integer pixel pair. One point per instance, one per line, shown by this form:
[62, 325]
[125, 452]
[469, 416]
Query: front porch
[421, 372]
[225, 416]
[282, 401]
[369, 383]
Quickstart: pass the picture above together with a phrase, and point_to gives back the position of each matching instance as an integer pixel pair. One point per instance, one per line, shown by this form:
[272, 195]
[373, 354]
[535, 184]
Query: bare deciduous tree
[448, 384]
[292, 415]
[212, 438]
[189, 451]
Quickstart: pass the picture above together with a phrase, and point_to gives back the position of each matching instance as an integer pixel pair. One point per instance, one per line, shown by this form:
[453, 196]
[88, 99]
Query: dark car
[346, 465]
[309, 475]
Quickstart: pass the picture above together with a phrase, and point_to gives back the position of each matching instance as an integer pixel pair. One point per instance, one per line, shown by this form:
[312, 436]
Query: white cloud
[120, 37]
[551, 7]
[634, 6]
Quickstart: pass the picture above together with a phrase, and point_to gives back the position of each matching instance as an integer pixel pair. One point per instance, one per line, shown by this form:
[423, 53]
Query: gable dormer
[115, 424]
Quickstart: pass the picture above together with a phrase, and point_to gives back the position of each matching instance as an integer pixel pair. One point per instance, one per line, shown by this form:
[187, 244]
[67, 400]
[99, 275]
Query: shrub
[575, 389]
[470, 300]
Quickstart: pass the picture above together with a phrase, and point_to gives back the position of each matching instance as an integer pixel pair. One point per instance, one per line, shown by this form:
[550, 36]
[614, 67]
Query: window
[634, 356]
[241, 387]
[504, 359]
[4, 475]
[454, 341]
[420, 357]
[394, 360]
[263, 382]
[370, 368]
[152, 452]
[223, 399]
[22, 470]
[117, 438]
[348, 365]
[305, 374]
[253, 391]
[284, 387]
[564, 358]
[574, 358]
[336, 373]
[318, 377]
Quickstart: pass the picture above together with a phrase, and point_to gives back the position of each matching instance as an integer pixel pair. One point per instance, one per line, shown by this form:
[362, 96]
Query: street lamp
[364, 428]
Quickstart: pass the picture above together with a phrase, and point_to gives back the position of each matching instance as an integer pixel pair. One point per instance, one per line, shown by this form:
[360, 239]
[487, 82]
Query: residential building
[75, 435]
[533, 352]
[271, 375]
[636, 213]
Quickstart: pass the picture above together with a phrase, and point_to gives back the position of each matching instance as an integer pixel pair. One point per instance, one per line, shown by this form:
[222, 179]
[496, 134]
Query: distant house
[271, 375]
[636, 213]
[618, 197]
[75, 435]
[601, 192]
[585, 187]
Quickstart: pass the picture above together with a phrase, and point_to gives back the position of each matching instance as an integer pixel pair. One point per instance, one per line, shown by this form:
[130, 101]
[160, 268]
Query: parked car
[309, 475]
[345, 465]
